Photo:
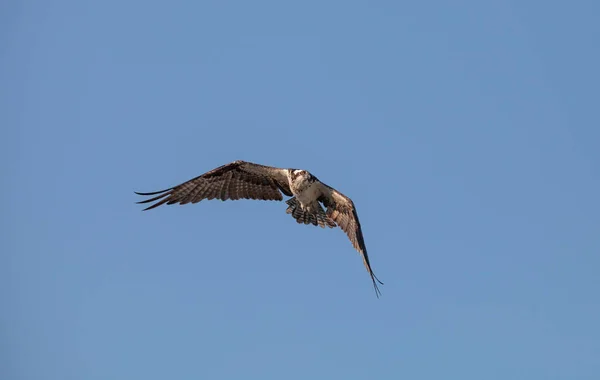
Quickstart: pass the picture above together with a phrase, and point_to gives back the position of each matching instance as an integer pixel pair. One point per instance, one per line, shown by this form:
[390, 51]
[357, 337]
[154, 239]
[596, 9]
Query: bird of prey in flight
[247, 180]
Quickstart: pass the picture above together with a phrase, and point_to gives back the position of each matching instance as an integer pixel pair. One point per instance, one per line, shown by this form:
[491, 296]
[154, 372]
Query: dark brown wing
[341, 209]
[236, 180]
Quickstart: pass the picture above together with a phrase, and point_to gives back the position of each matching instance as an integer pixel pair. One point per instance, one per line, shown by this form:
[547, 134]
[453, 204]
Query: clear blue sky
[466, 132]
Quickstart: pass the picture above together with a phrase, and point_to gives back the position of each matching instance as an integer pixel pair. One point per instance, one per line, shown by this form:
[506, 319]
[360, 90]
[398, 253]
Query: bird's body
[246, 180]
[306, 188]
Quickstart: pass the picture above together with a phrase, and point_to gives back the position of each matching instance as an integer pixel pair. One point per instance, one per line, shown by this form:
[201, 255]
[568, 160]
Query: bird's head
[297, 173]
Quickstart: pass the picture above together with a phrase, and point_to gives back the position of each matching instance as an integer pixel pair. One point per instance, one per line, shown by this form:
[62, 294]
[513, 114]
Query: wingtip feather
[154, 192]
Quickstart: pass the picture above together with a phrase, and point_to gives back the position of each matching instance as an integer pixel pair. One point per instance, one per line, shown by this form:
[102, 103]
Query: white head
[296, 173]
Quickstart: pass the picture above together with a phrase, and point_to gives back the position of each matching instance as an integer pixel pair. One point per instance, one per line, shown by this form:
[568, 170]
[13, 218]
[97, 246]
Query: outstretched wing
[236, 180]
[341, 209]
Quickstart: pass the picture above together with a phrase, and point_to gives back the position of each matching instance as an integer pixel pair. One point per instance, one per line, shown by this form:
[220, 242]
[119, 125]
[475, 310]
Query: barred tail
[319, 219]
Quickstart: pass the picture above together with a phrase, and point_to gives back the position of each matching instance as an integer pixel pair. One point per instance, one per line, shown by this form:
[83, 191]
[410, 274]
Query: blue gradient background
[466, 132]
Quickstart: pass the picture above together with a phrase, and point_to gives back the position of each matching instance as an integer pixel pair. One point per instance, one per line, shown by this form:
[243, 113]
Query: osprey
[247, 180]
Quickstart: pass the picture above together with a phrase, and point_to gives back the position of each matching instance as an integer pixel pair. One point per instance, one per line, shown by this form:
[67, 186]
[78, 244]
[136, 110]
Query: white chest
[308, 194]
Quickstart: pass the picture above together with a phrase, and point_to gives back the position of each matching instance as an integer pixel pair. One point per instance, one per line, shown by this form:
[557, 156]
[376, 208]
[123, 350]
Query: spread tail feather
[319, 219]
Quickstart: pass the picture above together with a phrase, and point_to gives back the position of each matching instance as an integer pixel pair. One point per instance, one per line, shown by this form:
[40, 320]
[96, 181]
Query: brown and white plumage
[236, 180]
[341, 210]
[246, 180]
